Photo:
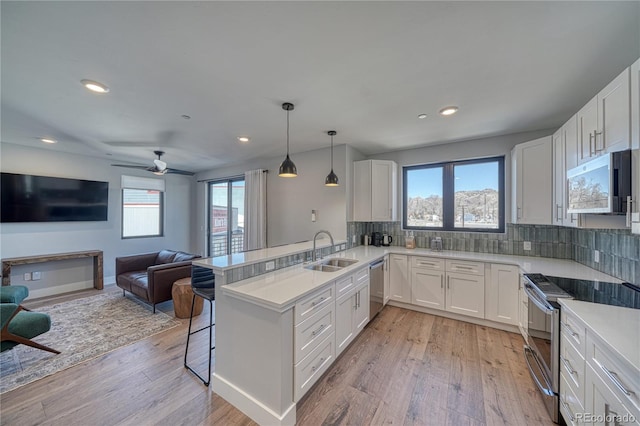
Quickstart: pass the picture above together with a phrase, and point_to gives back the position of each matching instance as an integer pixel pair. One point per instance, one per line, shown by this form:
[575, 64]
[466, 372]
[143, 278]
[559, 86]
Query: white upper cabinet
[604, 122]
[635, 145]
[531, 185]
[374, 191]
[565, 157]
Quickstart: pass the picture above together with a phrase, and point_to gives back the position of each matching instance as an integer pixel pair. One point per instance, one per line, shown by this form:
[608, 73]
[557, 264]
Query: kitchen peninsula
[277, 332]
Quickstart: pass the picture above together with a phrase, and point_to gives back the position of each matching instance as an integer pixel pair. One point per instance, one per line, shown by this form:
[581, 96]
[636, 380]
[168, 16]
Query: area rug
[81, 329]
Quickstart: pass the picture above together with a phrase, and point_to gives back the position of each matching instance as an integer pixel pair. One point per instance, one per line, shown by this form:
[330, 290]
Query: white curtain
[255, 209]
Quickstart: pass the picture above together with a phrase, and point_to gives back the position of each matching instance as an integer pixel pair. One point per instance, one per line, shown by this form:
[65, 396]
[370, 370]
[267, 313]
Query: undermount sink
[323, 268]
[340, 263]
[331, 265]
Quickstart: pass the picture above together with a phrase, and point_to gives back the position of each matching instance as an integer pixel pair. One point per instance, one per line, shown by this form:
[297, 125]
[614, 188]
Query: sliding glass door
[226, 216]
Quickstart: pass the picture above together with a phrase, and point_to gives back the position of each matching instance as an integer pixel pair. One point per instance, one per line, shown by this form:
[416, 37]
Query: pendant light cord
[331, 152]
[287, 133]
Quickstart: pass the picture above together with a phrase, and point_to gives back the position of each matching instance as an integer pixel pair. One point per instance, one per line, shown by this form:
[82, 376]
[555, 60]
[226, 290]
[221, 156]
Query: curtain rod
[227, 178]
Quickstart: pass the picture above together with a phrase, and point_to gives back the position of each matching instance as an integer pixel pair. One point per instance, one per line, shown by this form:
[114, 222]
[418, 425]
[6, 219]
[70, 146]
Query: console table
[95, 254]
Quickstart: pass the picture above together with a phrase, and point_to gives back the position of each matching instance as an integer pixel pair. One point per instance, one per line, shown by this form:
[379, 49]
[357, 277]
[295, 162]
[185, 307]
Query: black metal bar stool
[203, 285]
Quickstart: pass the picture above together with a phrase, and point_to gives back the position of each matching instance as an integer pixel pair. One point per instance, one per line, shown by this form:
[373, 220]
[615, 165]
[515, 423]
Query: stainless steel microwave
[601, 185]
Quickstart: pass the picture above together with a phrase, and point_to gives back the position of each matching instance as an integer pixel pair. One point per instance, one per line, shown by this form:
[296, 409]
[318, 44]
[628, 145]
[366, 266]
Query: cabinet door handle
[317, 302]
[566, 407]
[614, 378]
[448, 282]
[595, 141]
[591, 151]
[558, 212]
[441, 281]
[315, 367]
[316, 332]
[518, 216]
[569, 329]
[567, 365]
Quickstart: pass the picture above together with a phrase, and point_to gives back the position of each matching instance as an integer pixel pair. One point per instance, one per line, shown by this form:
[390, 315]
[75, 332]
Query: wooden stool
[182, 296]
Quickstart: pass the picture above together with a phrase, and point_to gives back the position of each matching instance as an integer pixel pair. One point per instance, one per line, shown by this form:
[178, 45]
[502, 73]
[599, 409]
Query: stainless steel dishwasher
[376, 287]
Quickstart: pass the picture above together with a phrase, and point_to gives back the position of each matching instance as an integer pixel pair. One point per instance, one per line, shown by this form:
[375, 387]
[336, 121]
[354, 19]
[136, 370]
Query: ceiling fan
[159, 167]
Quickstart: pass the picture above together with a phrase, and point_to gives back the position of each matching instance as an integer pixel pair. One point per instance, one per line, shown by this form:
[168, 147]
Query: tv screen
[27, 198]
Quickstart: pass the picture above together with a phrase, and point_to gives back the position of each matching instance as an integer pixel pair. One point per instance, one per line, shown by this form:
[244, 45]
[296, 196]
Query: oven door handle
[529, 353]
[543, 305]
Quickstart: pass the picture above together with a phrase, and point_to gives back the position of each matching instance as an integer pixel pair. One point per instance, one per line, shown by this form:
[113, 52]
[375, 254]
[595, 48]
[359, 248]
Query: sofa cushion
[129, 279]
[165, 256]
[182, 256]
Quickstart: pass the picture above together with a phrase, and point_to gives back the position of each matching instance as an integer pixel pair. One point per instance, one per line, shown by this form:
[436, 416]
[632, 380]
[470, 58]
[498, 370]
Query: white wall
[290, 200]
[476, 148]
[26, 239]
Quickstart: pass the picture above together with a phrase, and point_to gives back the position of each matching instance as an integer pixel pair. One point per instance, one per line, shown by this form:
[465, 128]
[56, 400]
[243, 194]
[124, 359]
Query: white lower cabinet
[597, 387]
[309, 370]
[387, 281]
[465, 288]
[352, 314]
[502, 298]
[602, 404]
[427, 282]
[451, 285]
[523, 311]
[399, 284]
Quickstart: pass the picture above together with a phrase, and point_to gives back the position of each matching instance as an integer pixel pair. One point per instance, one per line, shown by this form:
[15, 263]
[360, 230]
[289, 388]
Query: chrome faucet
[313, 254]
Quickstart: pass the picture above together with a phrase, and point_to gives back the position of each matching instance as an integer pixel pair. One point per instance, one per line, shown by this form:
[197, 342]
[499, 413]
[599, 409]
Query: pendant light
[332, 178]
[287, 168]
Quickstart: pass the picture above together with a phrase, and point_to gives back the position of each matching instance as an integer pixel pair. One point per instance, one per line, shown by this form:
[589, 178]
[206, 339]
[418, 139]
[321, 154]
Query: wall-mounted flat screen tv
[28, 198]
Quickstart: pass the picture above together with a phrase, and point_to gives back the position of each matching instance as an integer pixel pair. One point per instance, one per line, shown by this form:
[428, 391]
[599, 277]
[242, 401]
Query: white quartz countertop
[221, 264]
[617, 327]
[280, 289]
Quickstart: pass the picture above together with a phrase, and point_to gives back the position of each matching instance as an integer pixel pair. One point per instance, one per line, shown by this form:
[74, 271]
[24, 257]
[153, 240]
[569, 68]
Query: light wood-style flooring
[405, 368]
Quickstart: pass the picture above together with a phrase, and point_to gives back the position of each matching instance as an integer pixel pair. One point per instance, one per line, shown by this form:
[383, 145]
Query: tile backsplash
[619, 250]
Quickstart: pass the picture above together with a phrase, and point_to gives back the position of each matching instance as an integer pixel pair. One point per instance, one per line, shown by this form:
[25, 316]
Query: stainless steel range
[542, 351]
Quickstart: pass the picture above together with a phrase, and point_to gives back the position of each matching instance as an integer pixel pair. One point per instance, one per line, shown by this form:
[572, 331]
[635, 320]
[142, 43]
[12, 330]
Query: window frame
[229, 237]
[448, 195]
[160, 213]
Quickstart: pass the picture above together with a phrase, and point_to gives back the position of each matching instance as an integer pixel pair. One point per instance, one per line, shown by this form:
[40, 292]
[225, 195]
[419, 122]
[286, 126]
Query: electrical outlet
[27, 276]
[343, 246]
[596, 256]
[35, 276]
[270, 266]
[527, 245]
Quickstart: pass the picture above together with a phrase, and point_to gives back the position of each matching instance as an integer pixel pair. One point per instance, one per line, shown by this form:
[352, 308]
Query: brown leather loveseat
[151, 275]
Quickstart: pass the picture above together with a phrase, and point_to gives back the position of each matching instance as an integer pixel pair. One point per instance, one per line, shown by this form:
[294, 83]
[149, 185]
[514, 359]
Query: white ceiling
[365, 69]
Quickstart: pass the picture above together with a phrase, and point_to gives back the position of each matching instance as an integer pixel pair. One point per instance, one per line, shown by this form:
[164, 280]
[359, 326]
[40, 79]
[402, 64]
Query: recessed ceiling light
[94, 86]
[449, 110]
[48, 140]
[186, 117]
[244, 138]
[421, 116]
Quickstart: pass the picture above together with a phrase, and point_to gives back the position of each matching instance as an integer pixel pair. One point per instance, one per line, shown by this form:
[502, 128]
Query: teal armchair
[19, 326]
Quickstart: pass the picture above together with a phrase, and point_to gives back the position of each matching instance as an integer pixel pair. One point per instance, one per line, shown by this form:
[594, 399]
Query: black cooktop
[606, 293]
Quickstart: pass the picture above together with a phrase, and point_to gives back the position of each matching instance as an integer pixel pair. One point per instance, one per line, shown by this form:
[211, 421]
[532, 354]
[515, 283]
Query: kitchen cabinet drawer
[427, 263]
[465, 267]
[603, 406]
[344, 286]
[570, 404]
[313, 303]
[310, 369]
[572, 366]
[574, 331]
[362, 275]
[310, 332]
[622, 378]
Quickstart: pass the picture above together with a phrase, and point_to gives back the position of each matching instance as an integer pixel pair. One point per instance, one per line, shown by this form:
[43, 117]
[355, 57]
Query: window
[455, 196]
[142, 207]
[226, 217]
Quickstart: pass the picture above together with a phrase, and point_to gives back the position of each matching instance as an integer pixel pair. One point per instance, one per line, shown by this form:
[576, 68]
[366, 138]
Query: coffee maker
[376, 239]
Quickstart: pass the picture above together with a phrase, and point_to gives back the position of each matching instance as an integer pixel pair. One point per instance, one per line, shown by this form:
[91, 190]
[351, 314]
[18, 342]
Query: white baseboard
[456, 316]
[250, 406]
[59, 289]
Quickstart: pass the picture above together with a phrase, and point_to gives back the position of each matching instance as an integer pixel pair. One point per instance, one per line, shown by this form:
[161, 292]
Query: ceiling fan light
[287, 168]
